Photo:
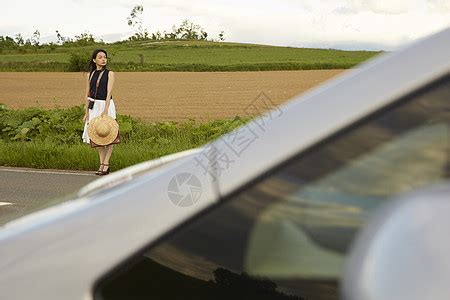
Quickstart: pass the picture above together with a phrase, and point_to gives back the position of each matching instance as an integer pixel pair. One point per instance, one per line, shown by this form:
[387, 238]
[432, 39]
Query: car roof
[62, 254]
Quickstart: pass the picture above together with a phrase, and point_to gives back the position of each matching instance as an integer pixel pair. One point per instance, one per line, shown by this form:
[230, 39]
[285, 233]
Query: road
[25, 189]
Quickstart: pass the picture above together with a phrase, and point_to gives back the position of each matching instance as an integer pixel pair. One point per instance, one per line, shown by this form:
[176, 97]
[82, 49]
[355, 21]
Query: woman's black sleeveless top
[102, 90]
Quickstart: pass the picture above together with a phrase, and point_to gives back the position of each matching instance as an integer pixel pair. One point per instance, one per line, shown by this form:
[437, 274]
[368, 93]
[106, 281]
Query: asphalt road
[24, 189]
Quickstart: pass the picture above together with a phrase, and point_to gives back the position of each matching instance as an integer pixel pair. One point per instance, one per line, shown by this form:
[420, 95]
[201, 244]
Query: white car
[268, 211]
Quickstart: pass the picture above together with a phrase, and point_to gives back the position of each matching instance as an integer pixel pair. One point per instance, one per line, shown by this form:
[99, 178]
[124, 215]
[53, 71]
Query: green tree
[188, 31]
[135, 21]
[84, 39]
[157, 36]
[19, 40]
[7, 43]
[222, 36]
[63, 40]
[35, 38]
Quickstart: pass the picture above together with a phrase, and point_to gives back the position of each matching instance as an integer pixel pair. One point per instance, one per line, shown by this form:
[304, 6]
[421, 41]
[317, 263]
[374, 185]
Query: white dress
[96, 111]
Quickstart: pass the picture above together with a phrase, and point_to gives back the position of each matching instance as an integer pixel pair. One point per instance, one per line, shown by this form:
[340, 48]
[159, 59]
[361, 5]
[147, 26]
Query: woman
[103, 102]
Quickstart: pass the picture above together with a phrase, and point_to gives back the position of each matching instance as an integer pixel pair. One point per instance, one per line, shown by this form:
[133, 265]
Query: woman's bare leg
[108, 153]
[102, 154]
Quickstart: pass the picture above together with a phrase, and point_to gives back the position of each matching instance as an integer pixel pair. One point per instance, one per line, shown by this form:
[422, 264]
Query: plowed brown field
[157, 96]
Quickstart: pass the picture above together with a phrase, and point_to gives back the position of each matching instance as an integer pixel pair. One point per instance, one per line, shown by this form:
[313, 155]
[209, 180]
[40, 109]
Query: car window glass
[286, 236]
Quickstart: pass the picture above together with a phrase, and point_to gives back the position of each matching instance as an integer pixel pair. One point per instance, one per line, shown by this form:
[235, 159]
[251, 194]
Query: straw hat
[103, 130]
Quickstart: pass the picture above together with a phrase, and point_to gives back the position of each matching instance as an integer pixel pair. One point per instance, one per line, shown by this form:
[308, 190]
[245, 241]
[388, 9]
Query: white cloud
[349, 24]
[440, 6]
[381, 7]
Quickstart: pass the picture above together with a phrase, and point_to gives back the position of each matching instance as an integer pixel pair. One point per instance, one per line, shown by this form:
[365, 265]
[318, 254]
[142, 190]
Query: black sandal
[105, 172]
[99, 170]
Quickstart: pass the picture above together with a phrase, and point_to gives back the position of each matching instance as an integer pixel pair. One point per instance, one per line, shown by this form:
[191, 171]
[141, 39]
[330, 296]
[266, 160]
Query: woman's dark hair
[92, 65]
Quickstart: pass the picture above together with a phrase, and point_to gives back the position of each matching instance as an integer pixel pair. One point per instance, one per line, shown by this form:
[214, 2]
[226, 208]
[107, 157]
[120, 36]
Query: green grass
[81, 157]
[40, 138]
[188, 56]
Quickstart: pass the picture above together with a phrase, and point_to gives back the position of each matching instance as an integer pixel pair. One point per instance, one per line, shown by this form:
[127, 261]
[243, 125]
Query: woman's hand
[104, 113]
[85, 117]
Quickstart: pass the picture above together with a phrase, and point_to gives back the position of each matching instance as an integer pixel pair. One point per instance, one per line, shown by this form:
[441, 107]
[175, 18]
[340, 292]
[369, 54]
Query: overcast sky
[342, 24]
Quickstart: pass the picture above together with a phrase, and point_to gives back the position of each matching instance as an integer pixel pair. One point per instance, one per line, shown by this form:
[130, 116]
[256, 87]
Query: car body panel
[60, 252]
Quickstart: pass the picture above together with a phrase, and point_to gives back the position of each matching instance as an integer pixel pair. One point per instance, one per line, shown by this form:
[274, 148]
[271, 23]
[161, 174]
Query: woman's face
[100, 59]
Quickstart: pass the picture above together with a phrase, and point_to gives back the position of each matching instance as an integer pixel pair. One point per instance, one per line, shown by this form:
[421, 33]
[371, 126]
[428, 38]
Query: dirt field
[155, 96]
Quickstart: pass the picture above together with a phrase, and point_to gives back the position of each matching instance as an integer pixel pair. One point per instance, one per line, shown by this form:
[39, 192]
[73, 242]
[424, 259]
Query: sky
[339, 24]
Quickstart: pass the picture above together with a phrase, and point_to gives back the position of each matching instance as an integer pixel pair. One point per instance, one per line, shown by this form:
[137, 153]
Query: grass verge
[51, 139]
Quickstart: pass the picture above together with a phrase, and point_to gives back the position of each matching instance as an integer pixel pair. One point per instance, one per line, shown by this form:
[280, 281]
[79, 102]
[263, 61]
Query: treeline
[187, 30]
[22, 46]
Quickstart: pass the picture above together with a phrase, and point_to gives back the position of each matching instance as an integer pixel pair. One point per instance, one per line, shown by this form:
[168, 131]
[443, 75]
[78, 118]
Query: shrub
[79, 62]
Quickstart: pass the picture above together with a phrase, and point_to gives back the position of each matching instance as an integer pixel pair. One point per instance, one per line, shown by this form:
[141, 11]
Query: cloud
[355, 24]
[112, 37]
[396, 7]
[439, 6]
[344, 10]
[381, 7]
